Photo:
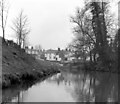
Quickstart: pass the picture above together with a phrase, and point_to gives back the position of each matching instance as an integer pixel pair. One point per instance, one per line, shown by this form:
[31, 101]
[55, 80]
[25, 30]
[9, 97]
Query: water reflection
[69, 87]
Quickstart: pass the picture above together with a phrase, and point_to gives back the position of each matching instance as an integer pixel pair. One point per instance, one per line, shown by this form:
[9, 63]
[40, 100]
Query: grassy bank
[17, 66]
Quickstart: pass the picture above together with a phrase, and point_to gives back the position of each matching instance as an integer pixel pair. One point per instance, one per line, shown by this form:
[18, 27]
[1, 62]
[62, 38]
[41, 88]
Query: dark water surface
[68, 87]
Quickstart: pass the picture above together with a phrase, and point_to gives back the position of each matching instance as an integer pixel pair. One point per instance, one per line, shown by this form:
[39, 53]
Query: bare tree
[84, 37]
[21, 28]
[4, 8]
[94, 29]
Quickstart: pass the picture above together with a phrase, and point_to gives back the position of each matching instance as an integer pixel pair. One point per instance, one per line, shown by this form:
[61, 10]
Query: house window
[66, 59]
[50, 57]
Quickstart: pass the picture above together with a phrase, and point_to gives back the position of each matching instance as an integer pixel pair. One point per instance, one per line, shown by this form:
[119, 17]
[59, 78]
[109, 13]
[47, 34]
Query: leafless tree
[21, 28]
[4, 8]
[84, 37]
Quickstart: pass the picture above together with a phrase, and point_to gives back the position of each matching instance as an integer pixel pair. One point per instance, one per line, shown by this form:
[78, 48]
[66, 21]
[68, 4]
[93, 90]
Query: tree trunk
[118, 52]
[3, 33]
[91, 56]
[100, 30]
[3, 29]
[94, 57]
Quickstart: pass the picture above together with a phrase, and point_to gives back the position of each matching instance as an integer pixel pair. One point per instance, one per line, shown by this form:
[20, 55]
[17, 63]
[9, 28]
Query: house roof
[50, 51]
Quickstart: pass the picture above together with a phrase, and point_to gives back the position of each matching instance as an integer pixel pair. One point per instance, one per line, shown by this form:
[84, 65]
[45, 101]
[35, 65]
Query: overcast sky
[49, 21]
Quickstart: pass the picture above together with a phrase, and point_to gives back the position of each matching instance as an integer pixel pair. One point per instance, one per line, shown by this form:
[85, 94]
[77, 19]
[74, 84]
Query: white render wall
[58, 58]
[52, 57]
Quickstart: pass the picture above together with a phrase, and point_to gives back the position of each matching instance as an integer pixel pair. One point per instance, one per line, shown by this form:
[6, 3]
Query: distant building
[51, 55]
[33, 52]
[59, 55]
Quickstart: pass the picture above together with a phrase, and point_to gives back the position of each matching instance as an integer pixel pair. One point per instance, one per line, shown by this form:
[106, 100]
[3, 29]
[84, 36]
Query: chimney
[58, 49]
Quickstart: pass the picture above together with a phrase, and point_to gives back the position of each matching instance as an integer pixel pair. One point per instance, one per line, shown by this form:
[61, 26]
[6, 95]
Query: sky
[49, 21]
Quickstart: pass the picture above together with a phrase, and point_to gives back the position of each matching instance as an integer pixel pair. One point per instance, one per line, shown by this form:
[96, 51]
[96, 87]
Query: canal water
[68, 87]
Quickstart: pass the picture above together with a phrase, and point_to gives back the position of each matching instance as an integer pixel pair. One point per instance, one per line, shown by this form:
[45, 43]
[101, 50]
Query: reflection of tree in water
[107, 88]
[98, 87]
[64, 78]
[15, 92]
[83, 86]
[56, 79]
[89, 86]
[10, 94]
[82, 91]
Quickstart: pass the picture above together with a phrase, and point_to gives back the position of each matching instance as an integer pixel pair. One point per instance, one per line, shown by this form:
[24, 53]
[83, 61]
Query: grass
[18, 66]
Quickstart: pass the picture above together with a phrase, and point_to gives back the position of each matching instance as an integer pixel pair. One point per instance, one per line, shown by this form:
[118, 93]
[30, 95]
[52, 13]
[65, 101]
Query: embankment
[17, 66]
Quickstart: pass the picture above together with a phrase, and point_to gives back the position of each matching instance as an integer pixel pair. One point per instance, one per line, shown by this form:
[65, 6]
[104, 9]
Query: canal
[67, 87]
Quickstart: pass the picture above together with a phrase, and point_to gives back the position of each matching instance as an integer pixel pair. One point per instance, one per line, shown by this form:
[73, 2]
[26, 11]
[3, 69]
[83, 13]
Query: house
[69, 56]
[51, 55]
[33, 52]
[59, 55]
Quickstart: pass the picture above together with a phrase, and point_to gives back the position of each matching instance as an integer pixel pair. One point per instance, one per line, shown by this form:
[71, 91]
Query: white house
[59, 55]
[52, 56]
[31, 51]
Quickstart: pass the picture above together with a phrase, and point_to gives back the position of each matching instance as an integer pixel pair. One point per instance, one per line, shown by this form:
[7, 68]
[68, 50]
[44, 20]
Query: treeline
[96, 35]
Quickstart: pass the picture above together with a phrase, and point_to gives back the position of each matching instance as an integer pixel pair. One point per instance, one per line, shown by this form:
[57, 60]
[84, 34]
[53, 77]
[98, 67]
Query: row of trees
[96, 34]
[20, 24]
